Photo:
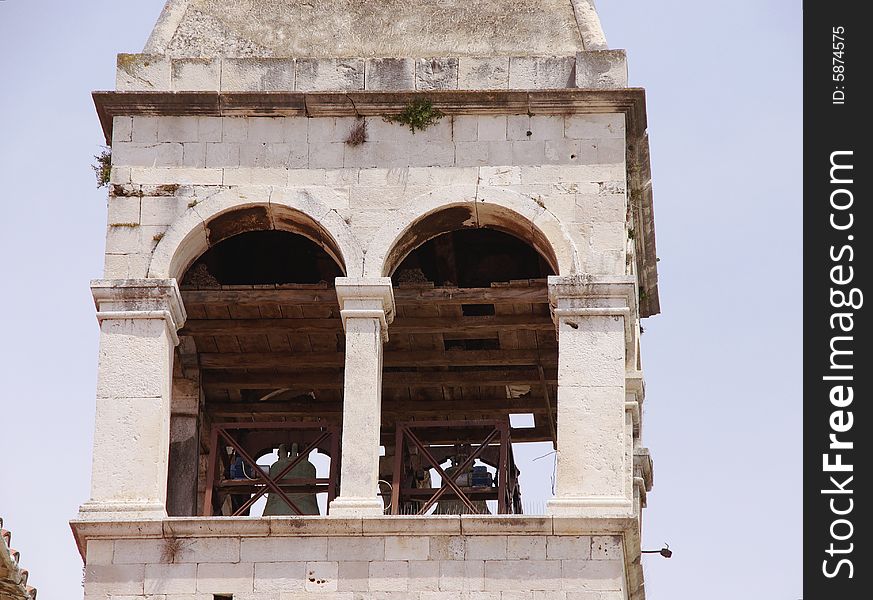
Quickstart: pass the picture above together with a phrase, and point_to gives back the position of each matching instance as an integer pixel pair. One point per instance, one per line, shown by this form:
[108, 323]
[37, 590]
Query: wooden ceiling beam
[427, 325]
[423, 358]
[536, 293]
[333, 379]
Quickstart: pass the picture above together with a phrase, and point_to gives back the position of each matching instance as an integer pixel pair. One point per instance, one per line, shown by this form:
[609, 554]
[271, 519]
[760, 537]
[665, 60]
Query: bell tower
[366, 261]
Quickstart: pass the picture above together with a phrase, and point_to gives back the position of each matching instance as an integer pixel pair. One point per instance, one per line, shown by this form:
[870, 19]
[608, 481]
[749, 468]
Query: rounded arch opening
[264, 348]
[480, 215]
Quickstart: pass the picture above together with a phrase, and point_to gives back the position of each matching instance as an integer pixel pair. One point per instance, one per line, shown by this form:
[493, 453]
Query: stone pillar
[138, 323]
[594, 322]
[367, 307]
[184, 447]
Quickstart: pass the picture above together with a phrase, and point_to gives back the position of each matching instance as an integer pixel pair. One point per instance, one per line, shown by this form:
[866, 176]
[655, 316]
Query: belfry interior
[472, 351]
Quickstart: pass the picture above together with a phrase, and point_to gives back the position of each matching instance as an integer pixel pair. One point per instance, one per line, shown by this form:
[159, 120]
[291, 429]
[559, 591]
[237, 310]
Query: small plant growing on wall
[358, 133]
[173, 547]
[103, 167]
[418, 114]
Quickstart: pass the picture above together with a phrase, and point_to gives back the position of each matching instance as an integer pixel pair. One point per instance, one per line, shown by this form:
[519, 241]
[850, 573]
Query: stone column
[594, 321]
[367, 307]
[138, 323]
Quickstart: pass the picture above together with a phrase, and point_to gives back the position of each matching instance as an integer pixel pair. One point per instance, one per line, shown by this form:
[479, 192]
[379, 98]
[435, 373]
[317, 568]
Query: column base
[121, 511]
[356, 507]
[590, 506]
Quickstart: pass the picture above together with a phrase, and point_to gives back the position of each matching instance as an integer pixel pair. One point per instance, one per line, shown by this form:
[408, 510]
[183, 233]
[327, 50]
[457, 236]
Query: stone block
[528, 153]
[447, 547]
[601, 69]
[147, 155]
[462, 575]
[139, 551]
[315, 74]
[120, 175]
[465, 128]
[547, 127]
[178, 129]
[492, 128]
[170, 579]
[360, 548]
[209, 129]
[142, 73]
[234, 129]
[389, 576]
[389, 74]
[611, 151]
[568, 547]
[541, 72]
[295, 130]
[562, 152]
[210, 550]
[124, 210]
[196, 75]
[145, 129]
[99, 552]
[321, 577]
[407, 548]
[103, 581]
[594, 127]
[123, 239]
[222, 155]
[122, 129]
[194, 155]
[526, 575]
[326, 155]
[265, 130]
[424, 575]
[225, 578]
[436, 74]
[258, 75]
[272, 549]
[183, 176]
[593, 575]
[486, 547]
[480, 154]
[526, 547]
[478, 73]
[353, 576]
[280, 576]
[606, 547]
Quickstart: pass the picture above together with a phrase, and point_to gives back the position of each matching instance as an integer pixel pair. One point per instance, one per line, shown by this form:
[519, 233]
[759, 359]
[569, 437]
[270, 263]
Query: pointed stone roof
[375, 28]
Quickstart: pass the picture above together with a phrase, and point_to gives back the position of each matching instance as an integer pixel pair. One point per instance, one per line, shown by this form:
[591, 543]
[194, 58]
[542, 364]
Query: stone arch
[457, 207]
[302, 211]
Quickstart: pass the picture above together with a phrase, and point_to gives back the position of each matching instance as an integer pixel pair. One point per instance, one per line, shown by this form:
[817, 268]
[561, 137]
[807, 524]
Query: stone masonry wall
[572, 165]
[381, 567]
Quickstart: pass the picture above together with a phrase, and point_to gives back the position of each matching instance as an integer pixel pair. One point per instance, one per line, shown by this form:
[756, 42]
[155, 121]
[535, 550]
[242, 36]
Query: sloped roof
[13, 579]
[375, 28]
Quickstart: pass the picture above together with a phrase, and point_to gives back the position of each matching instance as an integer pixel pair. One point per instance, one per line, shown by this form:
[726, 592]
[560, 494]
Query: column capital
[140, 299]
[582, 293]
[365, 297]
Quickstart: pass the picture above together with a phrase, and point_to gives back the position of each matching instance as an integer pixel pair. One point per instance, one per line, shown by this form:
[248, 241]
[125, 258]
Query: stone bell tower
[350, 246]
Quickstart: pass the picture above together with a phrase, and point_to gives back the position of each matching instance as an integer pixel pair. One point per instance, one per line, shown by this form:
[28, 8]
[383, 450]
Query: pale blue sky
[722, 363]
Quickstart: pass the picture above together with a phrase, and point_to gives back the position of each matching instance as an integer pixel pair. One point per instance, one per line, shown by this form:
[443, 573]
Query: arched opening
[257, 385]
[470, 369]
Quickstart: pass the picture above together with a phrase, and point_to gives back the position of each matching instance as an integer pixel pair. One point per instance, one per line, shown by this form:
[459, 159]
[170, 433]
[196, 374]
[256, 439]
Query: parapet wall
[382, 559]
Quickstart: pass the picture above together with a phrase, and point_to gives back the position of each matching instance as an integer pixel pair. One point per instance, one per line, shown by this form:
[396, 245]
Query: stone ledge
[601, 69]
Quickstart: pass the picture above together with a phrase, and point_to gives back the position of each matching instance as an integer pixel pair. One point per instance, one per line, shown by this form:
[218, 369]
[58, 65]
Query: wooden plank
[441, 408]
[333, 379]
[534, 293]
[234, 327]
